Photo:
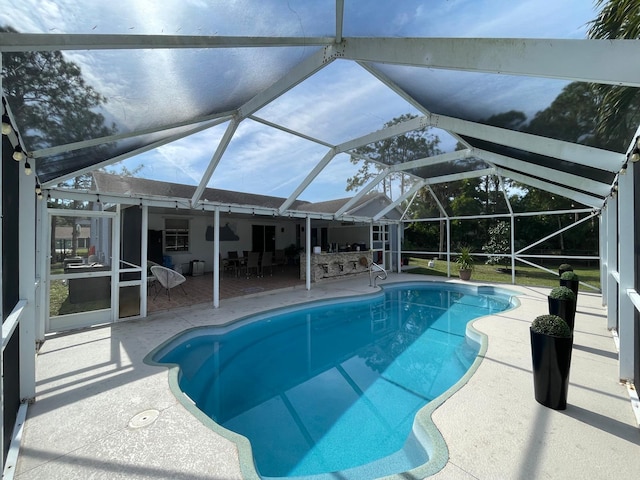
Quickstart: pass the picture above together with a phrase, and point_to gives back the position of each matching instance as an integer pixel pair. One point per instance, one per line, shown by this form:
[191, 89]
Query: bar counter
[332, 265]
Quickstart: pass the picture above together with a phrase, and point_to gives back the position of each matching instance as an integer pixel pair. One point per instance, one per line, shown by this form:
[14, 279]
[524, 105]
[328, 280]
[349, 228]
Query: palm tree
[620, 106]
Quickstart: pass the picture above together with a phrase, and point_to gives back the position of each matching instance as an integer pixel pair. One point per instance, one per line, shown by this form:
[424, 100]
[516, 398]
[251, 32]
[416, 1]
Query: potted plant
[551, 344]
[465, 263]
[562, 302]
[572, 280]
[564, 267]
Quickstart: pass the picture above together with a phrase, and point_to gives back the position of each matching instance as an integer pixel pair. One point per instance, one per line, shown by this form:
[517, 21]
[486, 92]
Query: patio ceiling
[282, 75]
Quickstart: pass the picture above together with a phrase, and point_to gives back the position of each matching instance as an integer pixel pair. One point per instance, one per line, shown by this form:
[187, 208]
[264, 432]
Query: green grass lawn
[525, 274]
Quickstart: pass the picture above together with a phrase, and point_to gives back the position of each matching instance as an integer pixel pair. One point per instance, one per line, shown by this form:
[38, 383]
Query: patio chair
[168, 279]
[253, 263]
[280, 257]
[267, 262]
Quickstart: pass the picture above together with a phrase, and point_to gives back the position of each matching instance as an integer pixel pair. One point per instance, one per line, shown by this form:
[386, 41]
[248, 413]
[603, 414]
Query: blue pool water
[334, 386]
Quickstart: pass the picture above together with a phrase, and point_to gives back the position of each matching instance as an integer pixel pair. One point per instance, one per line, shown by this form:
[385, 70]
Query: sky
[341, 102]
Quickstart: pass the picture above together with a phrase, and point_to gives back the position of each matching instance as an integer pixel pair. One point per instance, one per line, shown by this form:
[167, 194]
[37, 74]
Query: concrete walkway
[101, 413]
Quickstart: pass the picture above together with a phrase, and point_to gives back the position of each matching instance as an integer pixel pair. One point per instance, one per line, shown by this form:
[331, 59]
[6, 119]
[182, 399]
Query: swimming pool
[336, 385]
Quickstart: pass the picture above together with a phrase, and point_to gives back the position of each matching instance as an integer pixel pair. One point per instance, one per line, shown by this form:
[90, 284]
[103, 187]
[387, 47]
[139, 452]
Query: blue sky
[341, 102]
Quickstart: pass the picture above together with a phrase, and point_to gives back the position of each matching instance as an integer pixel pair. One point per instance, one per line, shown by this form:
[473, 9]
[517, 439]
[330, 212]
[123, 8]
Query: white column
[307, 244]
[399, 229]
[116, 227]
[45, 262]
[448, 247]
[216, 258]
[611, 278]
[27, 284]
[626, 228]
[144, 248]
[604, 260]
[512, 247]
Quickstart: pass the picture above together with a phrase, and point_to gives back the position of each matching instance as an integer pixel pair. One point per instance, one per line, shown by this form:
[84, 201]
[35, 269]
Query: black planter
[551, 360]
[565, 309]
[572, 284]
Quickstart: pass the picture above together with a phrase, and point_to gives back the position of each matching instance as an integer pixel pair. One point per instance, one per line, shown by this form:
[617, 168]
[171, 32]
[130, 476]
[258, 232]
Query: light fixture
[18, 153]
[6, 125]
[635, 155]
[38, 188]
[623, 170]
[98, 198]
[40, 196]
[27, 168]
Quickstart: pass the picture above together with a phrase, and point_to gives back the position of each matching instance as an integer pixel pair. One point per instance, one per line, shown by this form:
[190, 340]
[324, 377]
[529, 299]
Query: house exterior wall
[202, 249]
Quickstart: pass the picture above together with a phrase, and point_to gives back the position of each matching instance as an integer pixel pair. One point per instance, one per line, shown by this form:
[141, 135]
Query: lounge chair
[168, 279]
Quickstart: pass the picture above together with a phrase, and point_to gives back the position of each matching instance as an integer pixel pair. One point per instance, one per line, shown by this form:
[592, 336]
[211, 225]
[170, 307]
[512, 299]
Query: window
[176, 235]
[381, 233]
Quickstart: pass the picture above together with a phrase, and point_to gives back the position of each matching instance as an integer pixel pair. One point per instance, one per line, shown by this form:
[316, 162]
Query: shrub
[565, 267]
[562, 293]
[569, 275]
[551, 325]
[499, 243]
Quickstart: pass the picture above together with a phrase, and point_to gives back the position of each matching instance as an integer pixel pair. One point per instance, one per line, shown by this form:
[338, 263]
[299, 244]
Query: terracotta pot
[465, 274]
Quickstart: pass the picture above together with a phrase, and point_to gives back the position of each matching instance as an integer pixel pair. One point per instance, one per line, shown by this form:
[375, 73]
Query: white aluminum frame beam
[583, 198]
[46, 42]
[412, 191]
[596, 61]
[212, 121]
[124, 156]
[215, 160]
[525, 168]
[293, 77]
[339, 19]
[289, 131]
[363, 191]
[578, 154]
[309, 178]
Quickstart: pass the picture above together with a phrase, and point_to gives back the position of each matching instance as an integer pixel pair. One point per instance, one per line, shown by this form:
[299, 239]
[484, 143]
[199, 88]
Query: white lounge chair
[168, 279]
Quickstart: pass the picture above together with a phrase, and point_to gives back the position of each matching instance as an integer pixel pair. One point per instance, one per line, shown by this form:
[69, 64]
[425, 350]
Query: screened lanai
[287, 100]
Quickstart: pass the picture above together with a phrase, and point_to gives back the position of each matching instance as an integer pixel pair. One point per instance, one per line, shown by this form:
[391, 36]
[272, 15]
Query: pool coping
[424, 427]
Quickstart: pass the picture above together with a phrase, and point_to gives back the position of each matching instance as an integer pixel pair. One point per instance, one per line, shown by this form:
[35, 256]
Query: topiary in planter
[562, 293]
[571, 280]
[569, 275]
[562, 302]
[564, 267]
[551, 325]
[551, 345]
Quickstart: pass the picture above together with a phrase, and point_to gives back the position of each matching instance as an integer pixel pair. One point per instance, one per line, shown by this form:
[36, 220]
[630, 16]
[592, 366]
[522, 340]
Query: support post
[611, 278]
[307, 244]
[27, 285]
[626, 314]
[216, 258]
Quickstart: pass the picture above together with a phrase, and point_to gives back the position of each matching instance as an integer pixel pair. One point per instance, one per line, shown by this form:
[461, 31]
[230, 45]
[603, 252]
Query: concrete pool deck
[102, 413]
